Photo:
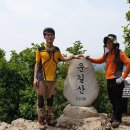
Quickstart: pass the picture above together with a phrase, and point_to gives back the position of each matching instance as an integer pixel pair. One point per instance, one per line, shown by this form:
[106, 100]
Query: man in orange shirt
[47, 58]
[115, 60]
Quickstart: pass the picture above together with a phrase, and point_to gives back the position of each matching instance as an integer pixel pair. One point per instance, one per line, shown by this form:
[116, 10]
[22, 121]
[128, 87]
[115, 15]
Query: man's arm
[36, 68]
[72, 57]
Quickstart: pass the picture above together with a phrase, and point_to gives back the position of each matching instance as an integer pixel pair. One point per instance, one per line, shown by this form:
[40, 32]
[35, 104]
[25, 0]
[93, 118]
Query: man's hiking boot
[50, 120]
[42, 123]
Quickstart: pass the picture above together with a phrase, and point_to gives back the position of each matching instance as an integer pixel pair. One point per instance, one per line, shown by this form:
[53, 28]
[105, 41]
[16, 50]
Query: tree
[127, 39]
[16, 89]
[2, 53]
[76, 49]
[102, 103]
[127, 32]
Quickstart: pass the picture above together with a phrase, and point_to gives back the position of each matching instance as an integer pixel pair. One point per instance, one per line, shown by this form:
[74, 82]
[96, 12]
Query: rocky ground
[93, 123]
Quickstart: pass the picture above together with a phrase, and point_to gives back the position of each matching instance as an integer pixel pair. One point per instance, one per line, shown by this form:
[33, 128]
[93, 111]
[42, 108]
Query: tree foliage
[102, 103]
[127, 39]
[76, 49]
[127, 32]
[16, 90]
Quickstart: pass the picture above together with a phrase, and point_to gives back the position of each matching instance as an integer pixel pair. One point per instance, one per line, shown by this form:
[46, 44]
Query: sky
[22, 23]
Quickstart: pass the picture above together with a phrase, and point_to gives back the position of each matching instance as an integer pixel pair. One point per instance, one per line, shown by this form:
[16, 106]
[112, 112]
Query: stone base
[78, 112]
[92, 123]
[80, 118]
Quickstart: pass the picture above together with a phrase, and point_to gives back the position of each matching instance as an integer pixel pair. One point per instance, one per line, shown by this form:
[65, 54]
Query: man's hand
[36, 83]
[119, 80]
[78, 56]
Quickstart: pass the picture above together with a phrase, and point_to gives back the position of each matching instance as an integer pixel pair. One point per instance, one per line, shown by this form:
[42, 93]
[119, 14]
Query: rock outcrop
[67, 123]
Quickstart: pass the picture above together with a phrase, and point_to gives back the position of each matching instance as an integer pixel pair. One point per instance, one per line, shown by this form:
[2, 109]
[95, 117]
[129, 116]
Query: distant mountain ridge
[99, 66]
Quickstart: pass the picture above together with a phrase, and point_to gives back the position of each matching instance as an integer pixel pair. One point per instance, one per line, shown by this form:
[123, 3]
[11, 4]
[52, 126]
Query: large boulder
[80, 87]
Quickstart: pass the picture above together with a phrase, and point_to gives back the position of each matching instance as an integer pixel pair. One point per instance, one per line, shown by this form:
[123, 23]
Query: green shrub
[102, 103]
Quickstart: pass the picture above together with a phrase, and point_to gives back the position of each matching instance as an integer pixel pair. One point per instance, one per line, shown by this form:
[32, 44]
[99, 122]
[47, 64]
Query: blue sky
[22, 22]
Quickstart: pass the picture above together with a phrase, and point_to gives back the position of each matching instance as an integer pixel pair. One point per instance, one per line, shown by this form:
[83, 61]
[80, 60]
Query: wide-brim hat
[112, 37]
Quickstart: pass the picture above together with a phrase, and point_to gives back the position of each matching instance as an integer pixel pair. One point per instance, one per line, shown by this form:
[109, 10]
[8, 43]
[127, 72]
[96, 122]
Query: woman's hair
[117, 54]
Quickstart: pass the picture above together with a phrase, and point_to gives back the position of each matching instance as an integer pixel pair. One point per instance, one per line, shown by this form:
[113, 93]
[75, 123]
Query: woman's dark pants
[115, 95]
